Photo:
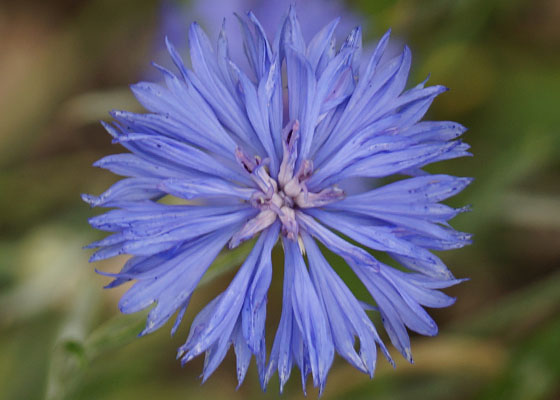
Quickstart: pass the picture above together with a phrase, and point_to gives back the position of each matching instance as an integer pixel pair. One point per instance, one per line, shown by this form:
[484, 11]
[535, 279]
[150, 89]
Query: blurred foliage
[64, 63]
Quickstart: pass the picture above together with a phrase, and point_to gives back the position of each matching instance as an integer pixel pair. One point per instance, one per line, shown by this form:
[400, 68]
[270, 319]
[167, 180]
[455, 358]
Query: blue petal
[354, 42]
[131, 189]
[292, 36]
[242, 353]
[372, 65]
[399, 296]
[214, 327]
[176, 57]
[281, 357]
[226, 105]
[310, 317]
[320, 44]
[425, 189]
[256, 45]
[149, 212]
[422, 295]
[172, 288]
[390, 163]
[455, 241]
[435, 130]
[416, 197]
[352, 254]
[256, 104]
[194, 188]
[128, 164]
[416, 225]
[254, 307]
[153, 236]
[383, 238]
[390, 316]
[181, 154]
[183, 116]
[360, 112]
[346, 317]
[302, 87]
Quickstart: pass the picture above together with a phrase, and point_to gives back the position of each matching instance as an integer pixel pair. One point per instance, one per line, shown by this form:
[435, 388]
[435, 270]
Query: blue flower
[219, 138]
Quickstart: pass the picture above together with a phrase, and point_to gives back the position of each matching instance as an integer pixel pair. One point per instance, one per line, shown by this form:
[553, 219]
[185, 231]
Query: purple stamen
[280, 199]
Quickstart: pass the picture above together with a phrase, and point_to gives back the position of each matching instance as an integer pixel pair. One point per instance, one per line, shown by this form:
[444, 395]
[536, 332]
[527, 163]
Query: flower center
[282, 197]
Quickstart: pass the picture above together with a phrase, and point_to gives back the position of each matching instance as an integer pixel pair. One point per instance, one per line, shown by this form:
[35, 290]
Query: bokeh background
[65, 63]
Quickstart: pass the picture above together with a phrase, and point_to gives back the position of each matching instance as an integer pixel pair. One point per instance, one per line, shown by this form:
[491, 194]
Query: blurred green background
[65, 63]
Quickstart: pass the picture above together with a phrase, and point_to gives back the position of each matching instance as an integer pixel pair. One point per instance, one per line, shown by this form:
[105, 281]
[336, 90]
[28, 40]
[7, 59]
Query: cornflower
[218, 137]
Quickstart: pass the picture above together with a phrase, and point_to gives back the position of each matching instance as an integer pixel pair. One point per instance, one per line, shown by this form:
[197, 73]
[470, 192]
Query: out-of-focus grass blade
[68, 358]
[532, 210]
[116, 332]
[36, 288]
[515, 314]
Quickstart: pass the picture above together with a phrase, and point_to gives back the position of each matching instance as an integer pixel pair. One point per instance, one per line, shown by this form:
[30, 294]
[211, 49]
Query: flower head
[219, 137]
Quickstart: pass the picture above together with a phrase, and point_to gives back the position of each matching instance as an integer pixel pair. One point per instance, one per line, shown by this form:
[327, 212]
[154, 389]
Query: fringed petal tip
[90, 199]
